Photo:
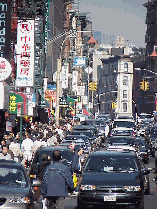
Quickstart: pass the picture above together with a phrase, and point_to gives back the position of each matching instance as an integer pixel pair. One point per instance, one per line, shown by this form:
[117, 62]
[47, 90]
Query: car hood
[10, 191]
[111, 179]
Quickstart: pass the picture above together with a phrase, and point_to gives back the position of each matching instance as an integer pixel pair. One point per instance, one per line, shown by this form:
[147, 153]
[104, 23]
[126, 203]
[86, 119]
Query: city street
[149, 200]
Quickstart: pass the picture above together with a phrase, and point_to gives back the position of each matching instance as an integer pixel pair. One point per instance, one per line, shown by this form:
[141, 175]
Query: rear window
[127, 124]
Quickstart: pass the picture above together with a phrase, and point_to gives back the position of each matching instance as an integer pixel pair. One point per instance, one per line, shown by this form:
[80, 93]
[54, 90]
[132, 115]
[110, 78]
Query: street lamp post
[59, 65]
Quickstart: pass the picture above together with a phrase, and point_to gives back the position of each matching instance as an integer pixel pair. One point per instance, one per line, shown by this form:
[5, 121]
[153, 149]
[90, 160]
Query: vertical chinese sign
[25, 57]
[64, 76]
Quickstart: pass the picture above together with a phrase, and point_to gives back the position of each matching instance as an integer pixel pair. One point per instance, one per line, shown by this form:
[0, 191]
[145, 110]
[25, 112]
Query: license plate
[110, 198]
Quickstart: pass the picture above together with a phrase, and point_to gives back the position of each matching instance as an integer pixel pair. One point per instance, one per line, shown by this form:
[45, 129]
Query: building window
[125, 80]
[125, 107]
[126, 67]
[124, 94]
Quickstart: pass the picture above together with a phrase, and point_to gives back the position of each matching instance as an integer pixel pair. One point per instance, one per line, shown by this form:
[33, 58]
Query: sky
[120, 17]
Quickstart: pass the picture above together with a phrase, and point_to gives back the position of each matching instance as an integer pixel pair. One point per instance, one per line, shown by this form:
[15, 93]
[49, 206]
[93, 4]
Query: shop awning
[86, 112]
[44, 103]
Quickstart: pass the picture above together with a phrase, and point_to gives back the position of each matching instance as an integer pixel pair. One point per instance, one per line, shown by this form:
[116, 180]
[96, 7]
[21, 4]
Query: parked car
[111, 178]
[15, 188]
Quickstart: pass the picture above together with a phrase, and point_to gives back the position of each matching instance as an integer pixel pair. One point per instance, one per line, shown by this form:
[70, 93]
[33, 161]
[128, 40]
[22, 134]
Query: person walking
[57, 183]
[27, 148]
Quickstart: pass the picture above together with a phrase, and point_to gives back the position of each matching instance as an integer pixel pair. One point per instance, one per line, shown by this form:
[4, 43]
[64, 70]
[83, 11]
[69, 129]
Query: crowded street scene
[78, 104]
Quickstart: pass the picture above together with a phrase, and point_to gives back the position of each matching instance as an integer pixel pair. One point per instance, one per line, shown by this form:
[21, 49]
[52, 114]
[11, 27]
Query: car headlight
[133, 188]
[87, 187]
[24, 200]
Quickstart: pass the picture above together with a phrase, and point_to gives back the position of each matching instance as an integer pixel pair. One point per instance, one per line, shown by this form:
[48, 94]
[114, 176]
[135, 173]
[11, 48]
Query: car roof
[77, 136]
[109, 153]
[51, 148]
[10, 162]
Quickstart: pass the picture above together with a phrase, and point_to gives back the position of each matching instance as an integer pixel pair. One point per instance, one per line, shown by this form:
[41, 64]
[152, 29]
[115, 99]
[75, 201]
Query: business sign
[5, 69]
[30, 103]
[15, 98]
[80, 90]
[25, 57]
[51, 95]
[5, 28]
[4, 95]
[74, 80]
[64, 76]
[80, 61]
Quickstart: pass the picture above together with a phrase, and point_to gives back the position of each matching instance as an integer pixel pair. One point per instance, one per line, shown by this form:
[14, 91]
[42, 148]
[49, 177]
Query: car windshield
[87, 133]
[66, 154]
[11, 175]
[123, 132]
[140, 142]
[127, 124]
[121, 140]
[99, 123]
[110, 164]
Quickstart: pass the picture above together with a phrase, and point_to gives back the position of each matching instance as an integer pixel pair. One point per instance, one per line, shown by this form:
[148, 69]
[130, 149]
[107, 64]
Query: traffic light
[146, 85]
[142, 85]
[90, 86]
[113, 105]
[94, 86]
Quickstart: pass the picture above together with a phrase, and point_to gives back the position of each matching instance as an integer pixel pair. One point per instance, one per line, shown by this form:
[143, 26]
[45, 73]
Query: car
[127, 123]
[112, 179]
[15, 188]
[77, 139]
[67, 156]
[143, 149]
[123, 132]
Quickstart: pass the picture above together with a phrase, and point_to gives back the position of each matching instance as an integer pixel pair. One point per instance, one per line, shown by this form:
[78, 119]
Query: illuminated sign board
[5, 28]
[25, 57]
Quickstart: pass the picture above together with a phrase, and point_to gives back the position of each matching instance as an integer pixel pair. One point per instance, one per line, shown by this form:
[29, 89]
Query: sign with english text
[25, 56]
[5, 28]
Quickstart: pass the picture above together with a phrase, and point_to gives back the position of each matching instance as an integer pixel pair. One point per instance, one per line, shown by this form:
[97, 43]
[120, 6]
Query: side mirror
[36, 183]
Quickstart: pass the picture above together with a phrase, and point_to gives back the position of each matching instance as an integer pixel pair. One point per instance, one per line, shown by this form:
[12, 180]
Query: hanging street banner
[5, 69]
[80, 61]
[64, 76]
[25, 53]
[80, 90]
[74, 80]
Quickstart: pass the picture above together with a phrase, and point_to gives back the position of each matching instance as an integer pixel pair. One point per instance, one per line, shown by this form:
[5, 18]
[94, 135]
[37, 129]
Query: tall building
[97, 36]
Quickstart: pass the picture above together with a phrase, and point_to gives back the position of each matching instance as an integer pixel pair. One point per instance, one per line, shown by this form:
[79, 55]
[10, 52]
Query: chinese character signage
[64, 76]
[15, 98]
[74, 80]
[51, 95]
[5, 69]
[5, 28]
[25, 57]
[80, 90]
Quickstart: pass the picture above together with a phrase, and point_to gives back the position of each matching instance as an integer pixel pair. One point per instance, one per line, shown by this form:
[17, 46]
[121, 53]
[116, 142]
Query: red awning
[85, 112]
